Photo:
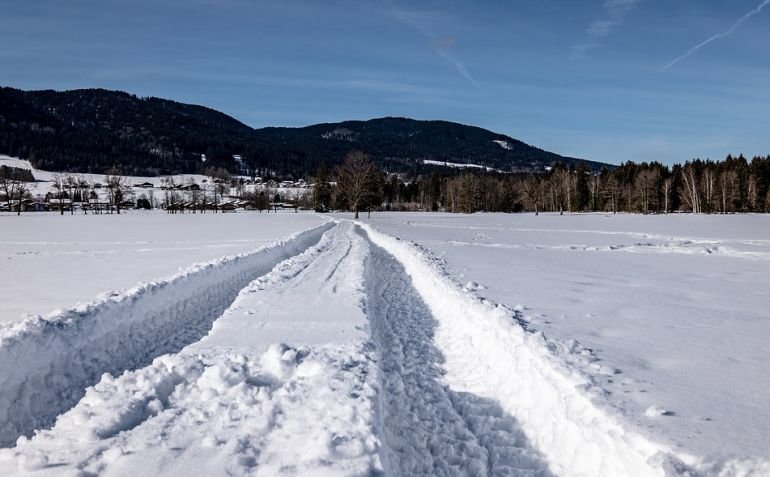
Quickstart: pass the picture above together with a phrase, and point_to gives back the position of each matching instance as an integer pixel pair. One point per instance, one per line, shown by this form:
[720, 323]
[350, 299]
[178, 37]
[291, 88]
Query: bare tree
[117, 186]
[667, 187]
[14, 188]
[690, 190]
[71, 184]
[59, 186]
[532, 193]
[169, 194]
[357, 180]
[8, 188]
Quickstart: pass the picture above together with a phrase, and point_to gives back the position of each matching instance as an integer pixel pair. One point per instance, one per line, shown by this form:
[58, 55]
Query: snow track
[488, 355]
[427, 428]
[325, 354]
[46, 364]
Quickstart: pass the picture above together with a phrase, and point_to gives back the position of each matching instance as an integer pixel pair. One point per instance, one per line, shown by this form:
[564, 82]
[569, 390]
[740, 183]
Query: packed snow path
[428, 429]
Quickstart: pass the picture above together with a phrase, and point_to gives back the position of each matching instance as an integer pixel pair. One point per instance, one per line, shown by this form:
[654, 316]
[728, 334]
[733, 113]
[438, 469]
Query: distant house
[59, 204]
[145, 185]
[227, 207]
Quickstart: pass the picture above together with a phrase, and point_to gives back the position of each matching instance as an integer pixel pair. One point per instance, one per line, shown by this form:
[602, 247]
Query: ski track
[427, 428]
[46, 364]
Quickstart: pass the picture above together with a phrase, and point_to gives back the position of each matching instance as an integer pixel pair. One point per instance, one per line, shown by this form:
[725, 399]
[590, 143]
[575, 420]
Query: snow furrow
[46, 364]
[426, 427]
[488, 355]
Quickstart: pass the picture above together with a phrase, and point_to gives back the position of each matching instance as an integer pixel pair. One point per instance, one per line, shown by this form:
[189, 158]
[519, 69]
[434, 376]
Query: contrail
[440, 50]
[718, 36]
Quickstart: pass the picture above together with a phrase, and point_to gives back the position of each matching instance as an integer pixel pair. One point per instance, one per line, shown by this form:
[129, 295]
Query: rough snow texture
[47, 363]
[347, 358]
[237, 402]
[668, 311]
[289, 411]
[426, 426]
[488, 355]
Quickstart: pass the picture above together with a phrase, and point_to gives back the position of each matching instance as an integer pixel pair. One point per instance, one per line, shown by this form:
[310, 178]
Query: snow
[47, 362]
[239, 399]
[407, 344]
[45, 181]
[51, 261]
[475, 337]
[504, 144]
[458, 165]
[661, 312]
[426, 426]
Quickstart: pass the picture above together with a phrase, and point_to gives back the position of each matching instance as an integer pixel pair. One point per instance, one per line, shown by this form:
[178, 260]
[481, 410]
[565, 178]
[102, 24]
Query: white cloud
[614, 15]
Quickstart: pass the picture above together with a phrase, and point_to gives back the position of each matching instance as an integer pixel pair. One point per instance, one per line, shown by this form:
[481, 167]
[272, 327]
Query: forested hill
[92, 130]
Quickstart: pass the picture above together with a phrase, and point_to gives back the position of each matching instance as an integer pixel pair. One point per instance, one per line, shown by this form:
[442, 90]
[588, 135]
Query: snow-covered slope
[45, 181]
[458, 165]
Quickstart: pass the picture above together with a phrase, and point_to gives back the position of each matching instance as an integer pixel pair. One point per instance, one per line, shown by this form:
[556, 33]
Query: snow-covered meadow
[488, 344]
[675, 309]
[51, 261]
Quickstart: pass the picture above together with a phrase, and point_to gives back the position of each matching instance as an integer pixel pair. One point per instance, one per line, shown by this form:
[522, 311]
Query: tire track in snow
[47, 364]
[426, 428]
[490, 354]
[237, 402]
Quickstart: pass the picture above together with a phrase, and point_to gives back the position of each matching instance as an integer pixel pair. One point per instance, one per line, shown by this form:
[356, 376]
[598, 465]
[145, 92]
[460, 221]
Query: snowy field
[51, 261]
[583, 345]
[675, 308]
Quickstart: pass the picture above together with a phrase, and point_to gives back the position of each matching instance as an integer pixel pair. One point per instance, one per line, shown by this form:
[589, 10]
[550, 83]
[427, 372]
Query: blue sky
[609, 80]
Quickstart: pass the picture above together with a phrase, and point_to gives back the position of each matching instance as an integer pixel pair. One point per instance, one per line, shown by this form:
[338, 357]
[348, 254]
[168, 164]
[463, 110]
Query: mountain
[91, 130]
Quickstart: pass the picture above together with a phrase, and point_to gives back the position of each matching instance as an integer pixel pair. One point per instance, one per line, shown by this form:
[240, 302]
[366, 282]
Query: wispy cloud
[614, 15]
[716, 37]
[439, 44]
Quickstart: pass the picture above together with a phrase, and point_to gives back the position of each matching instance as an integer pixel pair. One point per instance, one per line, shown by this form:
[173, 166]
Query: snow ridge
[46, 363]
[426, 427]
[490, 355]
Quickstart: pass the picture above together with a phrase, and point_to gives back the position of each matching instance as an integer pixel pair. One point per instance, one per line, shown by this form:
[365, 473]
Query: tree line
[733, 185]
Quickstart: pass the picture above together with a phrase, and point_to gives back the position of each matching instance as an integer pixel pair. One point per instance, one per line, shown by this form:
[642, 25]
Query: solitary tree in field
[357, 180]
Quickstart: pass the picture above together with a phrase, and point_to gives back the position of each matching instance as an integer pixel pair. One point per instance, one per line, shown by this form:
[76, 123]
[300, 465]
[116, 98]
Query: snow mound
[46, 363]
[426, 427]
[289, 411]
